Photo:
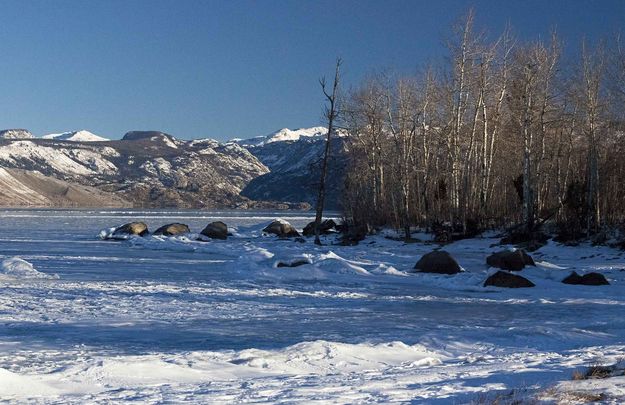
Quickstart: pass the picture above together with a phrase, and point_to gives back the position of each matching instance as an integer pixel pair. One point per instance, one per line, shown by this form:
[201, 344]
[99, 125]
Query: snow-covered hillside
[16, 134]
[152, 168]
[76, 136]
[145, 168]
[31, 188]
[284, 135]
[293, 158]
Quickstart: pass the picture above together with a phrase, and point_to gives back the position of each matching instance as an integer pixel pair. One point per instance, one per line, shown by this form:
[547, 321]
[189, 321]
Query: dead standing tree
[331, 113]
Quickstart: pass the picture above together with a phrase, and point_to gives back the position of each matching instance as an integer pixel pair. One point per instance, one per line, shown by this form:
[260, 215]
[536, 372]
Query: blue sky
[227, 69]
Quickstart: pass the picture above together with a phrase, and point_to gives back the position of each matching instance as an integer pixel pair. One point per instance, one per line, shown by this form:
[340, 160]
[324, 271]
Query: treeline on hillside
[504, 133]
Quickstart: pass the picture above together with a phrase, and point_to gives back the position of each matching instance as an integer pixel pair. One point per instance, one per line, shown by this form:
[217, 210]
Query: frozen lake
[169, 319]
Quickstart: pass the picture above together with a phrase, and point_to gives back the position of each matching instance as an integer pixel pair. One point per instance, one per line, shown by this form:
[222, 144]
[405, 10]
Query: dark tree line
[503, 133]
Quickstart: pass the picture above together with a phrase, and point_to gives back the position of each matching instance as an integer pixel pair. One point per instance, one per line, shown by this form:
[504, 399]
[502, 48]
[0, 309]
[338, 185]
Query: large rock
[172, 230]
[325, 227]
[132, 228]
[510, 260]
[281, 228]
[353, 234]
[216, 230]
[507, 280]
[530, 241]
[586, 279]
[438, 261]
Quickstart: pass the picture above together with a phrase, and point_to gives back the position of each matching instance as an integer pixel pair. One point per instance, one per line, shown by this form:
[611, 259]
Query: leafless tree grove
[505, 133]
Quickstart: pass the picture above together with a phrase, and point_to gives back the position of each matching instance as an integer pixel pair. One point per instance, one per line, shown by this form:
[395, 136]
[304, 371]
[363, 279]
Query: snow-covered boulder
[281, 228]
[172, 230]
[507, 280]
[513, 260]
[438, 261]
[126, 230]
[216, 230]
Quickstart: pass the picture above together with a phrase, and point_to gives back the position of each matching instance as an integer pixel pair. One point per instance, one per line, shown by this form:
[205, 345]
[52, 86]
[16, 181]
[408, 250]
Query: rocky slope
[15, 134]
[30, 188]
[147, 169]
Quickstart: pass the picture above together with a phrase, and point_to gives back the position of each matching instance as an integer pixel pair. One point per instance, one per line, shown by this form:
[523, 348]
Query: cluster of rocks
[441, 262]
[219, 230]
[214, 230]
[283, 229]
[437, 261]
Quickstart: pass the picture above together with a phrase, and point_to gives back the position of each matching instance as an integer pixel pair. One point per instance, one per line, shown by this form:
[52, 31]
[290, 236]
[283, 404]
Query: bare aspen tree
[364, 114]
[403, 122]
[592, 104]
[523, 104]
[492, 117]
[425, 149]
[331, 113]
[462, 65]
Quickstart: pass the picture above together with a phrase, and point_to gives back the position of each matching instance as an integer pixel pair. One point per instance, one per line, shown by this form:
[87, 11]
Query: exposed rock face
[507, 280]
[586, 279]
[281, 229]
[438, 261]
[216, 230]
[172, 230]
[325, 227]
[132, 228]
[510, 260]
[16, 134]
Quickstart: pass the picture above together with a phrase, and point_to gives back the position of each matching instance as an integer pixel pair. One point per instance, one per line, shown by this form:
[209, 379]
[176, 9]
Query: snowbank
[17, 268]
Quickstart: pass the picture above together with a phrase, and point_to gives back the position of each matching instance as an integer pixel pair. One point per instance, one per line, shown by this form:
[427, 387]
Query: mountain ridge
[155, 169]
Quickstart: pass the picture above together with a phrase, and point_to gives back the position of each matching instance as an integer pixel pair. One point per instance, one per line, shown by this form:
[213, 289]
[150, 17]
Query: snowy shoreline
[172, 319]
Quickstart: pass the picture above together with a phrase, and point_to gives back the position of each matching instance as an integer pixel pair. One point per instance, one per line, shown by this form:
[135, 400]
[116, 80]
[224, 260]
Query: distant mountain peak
[286, 134]
[163, 137]
[76, 136]
[283, 135]
[16, 133]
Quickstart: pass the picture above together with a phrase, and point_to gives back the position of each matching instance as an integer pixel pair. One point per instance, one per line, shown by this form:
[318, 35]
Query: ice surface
[160, 319]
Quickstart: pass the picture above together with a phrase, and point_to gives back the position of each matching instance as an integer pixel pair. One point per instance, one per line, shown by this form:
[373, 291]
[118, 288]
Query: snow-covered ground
[163, 320]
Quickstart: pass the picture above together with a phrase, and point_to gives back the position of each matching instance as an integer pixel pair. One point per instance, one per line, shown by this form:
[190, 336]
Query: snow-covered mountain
[283, 135]
[144, 168]
[293, 158]
[155, 169]
[15, 134]
[76, 136]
